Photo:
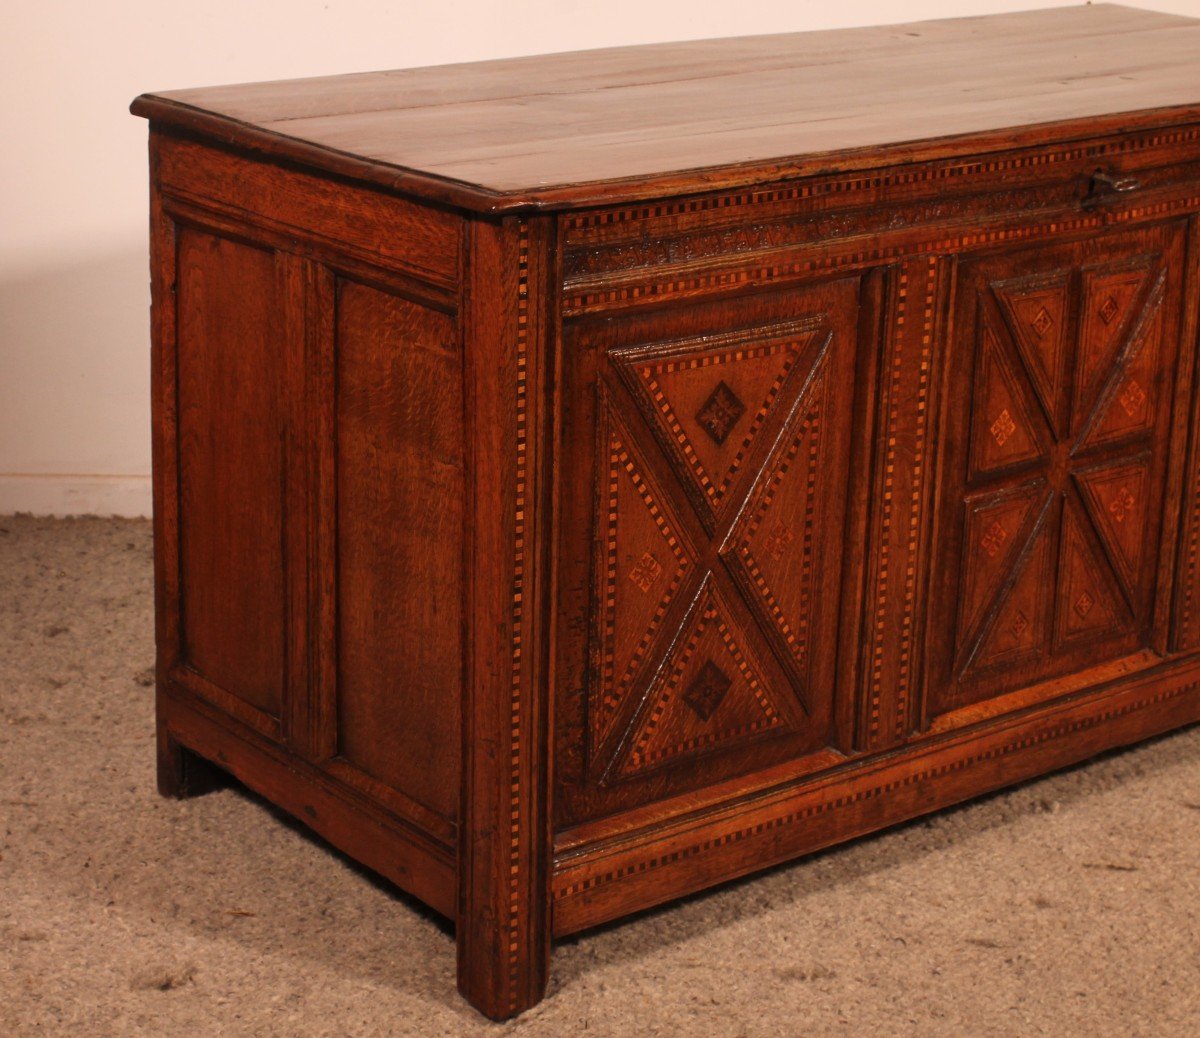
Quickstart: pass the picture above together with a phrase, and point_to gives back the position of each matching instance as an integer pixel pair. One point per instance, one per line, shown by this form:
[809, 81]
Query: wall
[74, 417]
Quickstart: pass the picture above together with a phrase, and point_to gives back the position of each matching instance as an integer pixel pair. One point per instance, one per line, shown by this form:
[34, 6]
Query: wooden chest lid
[630, 123]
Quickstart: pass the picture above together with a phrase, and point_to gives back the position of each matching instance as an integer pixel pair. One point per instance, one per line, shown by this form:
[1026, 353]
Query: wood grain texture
[643, 868]
[828, 455]
[231, 474]
[1186, 616]
[399, 491]
[503, 926]
[355, 824]
[354, 223]
[553, 129]
[1059, 411]
[717, 513]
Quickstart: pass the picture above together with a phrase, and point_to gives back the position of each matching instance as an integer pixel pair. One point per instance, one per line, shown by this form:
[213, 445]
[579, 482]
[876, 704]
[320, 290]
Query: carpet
[1069, 906]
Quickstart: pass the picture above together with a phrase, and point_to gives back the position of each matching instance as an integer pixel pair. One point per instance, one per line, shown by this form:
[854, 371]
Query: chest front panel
[714, 440]
[1062, 371]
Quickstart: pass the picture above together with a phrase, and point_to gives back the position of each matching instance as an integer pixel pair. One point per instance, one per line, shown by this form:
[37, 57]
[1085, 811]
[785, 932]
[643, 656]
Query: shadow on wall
[74, 386]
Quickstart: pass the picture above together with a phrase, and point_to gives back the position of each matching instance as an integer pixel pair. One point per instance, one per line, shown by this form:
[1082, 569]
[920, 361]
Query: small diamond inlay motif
[647, 570]
[1109, 310]
[1133, 398]
[1083, 605]
[705, 693]
[993, 539]
[720, 413]
[1003, 427]
[1043, 322]
[778, 540]
[1019, 625]
[1122, 504]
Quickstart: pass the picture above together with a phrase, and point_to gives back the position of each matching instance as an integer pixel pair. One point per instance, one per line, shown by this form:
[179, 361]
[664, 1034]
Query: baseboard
[595, 885]
[75, 494]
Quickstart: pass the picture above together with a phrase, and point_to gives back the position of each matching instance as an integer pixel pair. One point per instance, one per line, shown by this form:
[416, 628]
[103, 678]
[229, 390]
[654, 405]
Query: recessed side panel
[231, 428]
[399, 501]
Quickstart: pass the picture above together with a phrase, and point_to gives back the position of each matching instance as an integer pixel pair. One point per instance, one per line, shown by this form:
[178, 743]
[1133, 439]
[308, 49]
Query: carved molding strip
[1186, 636]
[799, 815]
[904, 682]
[882, 621]
[902, 177]
[517, 747]
[797, 263]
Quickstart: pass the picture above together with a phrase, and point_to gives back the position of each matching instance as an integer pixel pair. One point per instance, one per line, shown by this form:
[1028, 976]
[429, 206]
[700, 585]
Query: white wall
[74, 417]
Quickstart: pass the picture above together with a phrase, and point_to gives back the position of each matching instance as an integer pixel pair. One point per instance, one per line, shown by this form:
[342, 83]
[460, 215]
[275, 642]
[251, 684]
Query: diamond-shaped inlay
[720, 413]
[1084, 604]
[778, 540]
[1043, 322]
[1019, 625]
[1122, 504]
[1133, 398]
[1109, 310]
[993, 539]
[646, 572]
[1003, 427]
[705, 693]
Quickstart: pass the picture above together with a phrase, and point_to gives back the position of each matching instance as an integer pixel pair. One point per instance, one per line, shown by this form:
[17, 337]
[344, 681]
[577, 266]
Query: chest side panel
[310, 470]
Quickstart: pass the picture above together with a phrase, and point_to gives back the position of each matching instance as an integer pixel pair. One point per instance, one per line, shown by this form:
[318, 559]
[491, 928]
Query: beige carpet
[1070, 906]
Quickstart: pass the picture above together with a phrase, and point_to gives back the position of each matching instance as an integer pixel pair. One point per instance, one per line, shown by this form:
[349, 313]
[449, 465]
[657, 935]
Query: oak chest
[580, 480]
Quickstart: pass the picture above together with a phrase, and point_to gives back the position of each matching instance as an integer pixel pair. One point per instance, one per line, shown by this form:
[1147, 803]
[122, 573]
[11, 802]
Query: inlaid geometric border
[796, 640]
[793, 817]
[666, 695]
[855, 184]
[1191, 569]
[517, 747]
[648, 373]
[879, 631]
[618, 459]
[798, 262]
[635, 364]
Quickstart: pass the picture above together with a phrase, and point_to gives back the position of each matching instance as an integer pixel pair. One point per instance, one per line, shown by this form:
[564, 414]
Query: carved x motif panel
[720, 524]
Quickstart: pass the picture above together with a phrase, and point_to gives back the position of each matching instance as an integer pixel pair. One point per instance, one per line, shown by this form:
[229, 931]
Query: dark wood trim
[901, 491]
[398, 851]
[593, 885]
[164, 418]
[320, 452]
[503, 924]
[636, 534]
[409, 183]
[1186, 620]
[241, 226]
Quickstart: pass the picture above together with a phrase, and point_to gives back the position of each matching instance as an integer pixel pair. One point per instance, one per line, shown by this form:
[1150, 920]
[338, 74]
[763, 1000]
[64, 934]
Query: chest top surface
[565, 130]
